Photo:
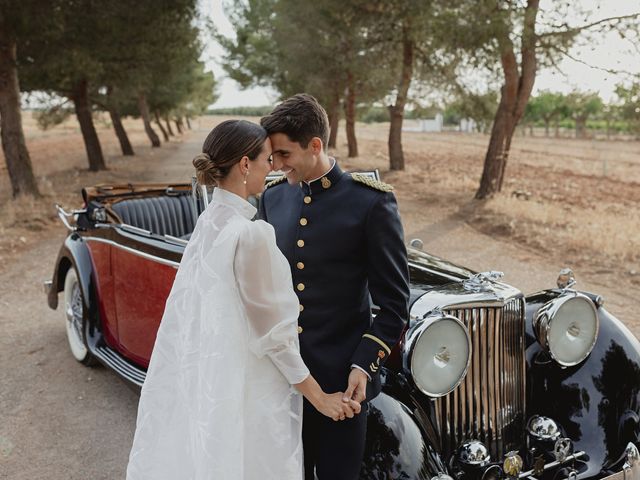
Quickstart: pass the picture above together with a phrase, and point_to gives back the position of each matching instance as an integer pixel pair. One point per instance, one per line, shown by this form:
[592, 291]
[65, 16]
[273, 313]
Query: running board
[123, 367]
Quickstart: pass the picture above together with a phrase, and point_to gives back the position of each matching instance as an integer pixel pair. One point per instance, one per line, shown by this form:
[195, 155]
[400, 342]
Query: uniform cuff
[353, 365]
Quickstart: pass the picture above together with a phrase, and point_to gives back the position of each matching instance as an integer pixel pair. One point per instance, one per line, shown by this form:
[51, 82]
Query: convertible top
[104, 191]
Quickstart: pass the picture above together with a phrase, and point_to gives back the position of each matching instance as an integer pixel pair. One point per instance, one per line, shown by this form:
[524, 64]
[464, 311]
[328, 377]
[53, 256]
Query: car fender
[73, 253]
[597, 402]
[397, 444]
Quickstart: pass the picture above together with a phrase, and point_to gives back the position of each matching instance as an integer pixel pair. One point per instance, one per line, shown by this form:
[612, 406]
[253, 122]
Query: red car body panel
[103, 277]
[143, 286]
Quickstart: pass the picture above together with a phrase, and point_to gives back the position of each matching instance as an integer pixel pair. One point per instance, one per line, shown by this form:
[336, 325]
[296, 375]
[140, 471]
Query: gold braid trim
[369, 182]
[275, 182]
[378, 341]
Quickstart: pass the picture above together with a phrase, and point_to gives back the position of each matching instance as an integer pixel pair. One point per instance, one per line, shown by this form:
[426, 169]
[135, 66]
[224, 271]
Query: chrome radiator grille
[489, 404]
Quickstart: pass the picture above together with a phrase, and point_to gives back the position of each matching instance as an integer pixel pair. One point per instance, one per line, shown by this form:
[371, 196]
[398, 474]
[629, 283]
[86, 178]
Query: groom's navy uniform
[344, 242]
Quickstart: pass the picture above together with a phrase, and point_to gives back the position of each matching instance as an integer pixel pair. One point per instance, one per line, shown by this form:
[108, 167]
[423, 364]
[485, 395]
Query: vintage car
[485, 383]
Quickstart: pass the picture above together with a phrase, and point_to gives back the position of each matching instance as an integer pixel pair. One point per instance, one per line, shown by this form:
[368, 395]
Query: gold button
[299, 330]
[301, 243]
[307, 199]
[301, 307]
[300, 265]
[303, 221]
[300, 287]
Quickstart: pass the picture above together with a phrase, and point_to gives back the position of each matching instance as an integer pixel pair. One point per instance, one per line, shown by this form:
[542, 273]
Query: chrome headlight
[567, 327]
[439, 354]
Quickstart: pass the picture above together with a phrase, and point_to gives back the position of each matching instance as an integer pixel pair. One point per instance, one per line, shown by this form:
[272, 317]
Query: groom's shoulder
[370, 184]
[275, 182]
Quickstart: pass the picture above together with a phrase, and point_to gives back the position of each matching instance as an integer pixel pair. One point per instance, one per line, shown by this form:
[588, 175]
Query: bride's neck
[238, 188]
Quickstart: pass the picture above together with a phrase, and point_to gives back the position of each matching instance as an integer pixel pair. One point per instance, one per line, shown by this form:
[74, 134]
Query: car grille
[489, 404]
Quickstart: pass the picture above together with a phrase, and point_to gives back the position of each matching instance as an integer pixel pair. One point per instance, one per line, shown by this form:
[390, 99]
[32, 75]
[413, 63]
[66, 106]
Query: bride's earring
[245, 177]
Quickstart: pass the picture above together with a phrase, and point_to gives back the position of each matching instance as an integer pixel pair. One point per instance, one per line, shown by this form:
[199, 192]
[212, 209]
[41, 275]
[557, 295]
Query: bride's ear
[244, 165]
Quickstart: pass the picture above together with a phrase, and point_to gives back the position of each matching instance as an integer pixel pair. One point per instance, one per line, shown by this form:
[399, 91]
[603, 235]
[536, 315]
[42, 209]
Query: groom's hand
[357, 386]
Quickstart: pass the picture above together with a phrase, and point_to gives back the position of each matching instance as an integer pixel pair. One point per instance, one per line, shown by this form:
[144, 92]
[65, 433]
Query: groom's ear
[316, 145]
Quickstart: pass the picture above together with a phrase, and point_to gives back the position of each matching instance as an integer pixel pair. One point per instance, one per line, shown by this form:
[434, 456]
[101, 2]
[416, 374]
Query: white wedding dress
[217, 402]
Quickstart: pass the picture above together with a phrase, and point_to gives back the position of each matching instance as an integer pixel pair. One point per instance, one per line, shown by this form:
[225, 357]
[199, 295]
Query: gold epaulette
[275, 182]
[369, 182]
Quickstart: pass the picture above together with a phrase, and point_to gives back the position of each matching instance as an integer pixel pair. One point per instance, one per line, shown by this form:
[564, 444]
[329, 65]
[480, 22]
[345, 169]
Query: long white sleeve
[265, 286]
[209, 407]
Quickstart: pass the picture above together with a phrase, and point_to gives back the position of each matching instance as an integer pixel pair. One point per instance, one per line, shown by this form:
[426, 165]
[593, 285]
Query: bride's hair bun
[207, 172]
[225, 145]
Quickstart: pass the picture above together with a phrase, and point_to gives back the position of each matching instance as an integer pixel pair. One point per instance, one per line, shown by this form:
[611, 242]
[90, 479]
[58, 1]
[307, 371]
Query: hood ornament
[562, 449]
[482, 282]
[566, 279]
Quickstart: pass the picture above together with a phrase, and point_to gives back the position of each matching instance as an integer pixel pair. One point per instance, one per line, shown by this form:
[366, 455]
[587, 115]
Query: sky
[611, 52]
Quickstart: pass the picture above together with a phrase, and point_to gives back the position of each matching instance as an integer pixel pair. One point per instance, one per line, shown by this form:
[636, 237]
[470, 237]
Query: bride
[222, 397]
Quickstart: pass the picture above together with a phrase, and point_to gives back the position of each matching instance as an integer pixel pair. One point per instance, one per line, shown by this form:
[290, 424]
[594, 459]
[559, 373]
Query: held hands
[339, 406]
[333, 406]
[357, 386]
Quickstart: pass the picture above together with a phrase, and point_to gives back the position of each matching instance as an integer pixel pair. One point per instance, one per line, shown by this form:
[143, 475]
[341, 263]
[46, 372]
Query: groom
[342, 236]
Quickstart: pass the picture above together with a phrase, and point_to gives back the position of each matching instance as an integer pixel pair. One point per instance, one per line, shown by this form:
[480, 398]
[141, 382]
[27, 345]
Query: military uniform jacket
[343, 239]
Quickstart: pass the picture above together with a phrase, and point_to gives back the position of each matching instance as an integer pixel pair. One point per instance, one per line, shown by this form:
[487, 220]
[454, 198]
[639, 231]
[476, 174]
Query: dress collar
[234, 201]
[325, 182]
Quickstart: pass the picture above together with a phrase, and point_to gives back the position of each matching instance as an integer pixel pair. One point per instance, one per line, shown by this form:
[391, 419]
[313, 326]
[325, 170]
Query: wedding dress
[217, 402]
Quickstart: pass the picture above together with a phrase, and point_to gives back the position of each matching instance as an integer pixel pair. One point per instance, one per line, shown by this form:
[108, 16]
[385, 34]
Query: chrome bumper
[627, 474]
[631, 468]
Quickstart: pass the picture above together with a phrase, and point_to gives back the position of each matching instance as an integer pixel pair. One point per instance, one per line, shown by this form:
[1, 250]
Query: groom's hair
[301, 118]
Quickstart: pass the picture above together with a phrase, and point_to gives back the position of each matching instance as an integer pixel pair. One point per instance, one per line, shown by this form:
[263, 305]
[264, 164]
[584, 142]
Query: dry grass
[605, 230]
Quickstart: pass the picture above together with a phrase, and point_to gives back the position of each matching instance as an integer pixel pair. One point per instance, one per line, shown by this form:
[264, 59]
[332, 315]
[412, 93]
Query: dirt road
[62, 421]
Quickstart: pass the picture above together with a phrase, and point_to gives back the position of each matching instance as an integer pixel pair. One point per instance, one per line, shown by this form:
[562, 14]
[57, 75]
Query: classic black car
[485, 383]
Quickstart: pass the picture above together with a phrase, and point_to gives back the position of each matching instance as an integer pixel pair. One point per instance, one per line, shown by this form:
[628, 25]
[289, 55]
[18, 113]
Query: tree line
[552, 111]
[125, 58]
[582, 110]
[361, 52]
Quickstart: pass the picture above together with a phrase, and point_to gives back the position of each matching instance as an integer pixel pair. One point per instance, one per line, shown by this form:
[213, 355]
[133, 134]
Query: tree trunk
[350, 116]
[181, 123]
[146, 119]
[581, 127]
[514, 96]
[494, 158]
[80, 97]
[188, 122]
[334, 119]
[121, 133]
[396, 112]
[14, 147]
[168, 124]
[178, 127]
[546, 127]
[164, 132]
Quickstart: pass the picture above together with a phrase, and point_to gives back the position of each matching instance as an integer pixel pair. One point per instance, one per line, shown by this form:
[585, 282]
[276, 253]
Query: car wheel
[74, 316]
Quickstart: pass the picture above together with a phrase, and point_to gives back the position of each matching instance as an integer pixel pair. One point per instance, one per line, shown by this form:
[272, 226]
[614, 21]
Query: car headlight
[567, 327]
[439, 355]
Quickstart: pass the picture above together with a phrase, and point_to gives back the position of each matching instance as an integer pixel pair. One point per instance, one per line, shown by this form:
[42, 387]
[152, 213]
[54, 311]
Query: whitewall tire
[74, 319]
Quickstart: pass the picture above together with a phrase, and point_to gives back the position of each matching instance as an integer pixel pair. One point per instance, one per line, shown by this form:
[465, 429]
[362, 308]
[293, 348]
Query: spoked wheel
[74, 316]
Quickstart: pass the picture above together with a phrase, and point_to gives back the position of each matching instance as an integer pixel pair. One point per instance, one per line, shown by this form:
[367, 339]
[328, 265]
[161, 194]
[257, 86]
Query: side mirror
[416, 243]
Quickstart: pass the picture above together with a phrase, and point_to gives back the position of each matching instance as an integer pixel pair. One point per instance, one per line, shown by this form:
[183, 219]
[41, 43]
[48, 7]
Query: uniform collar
[234, 201]
[325, 182]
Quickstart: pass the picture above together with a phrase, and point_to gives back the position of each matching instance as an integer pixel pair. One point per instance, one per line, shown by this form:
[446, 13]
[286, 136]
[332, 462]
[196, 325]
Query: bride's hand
[333, 406]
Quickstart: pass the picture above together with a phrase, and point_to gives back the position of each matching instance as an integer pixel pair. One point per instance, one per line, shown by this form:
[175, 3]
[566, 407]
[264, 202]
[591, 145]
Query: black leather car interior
[167, 215]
